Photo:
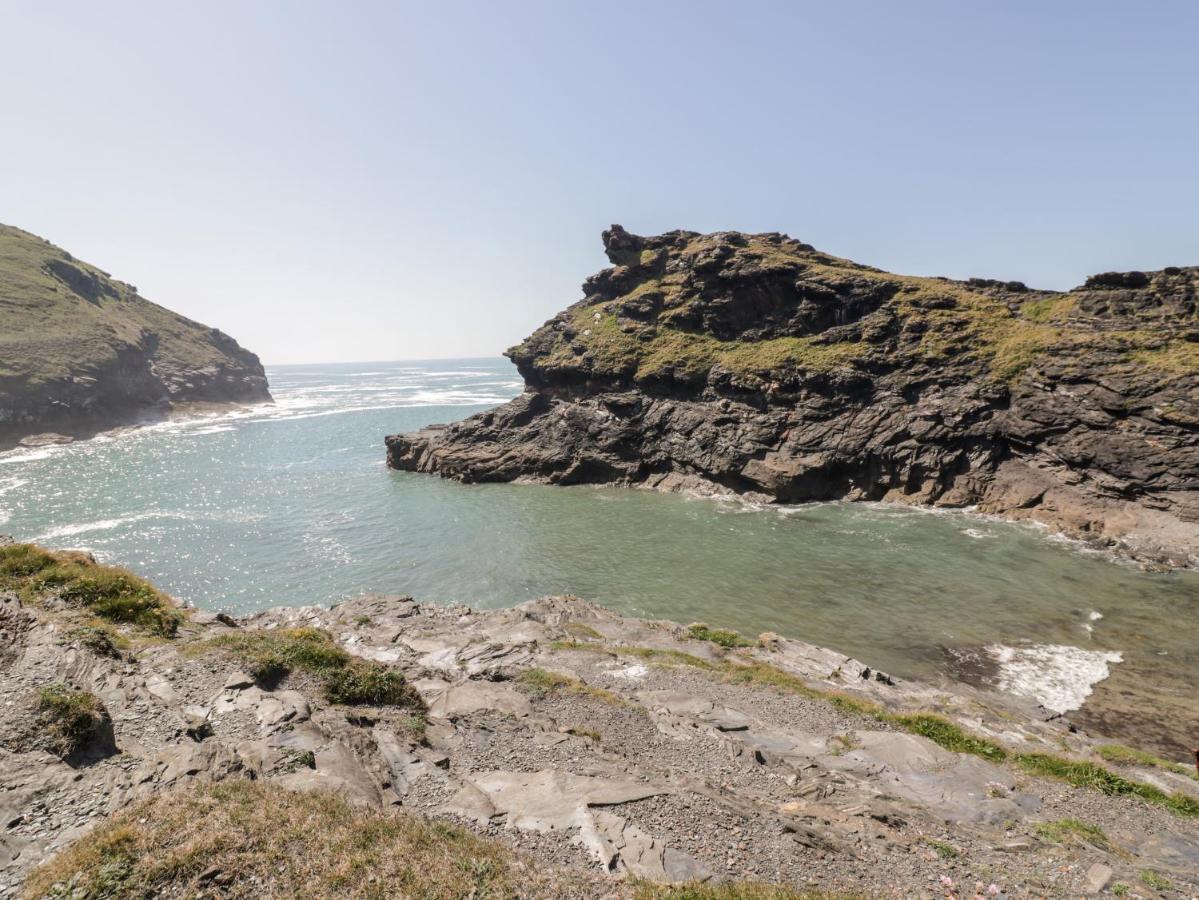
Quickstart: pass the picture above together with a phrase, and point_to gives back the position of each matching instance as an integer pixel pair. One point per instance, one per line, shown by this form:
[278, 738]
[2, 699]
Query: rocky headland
[386, 747]
[756, 364]
[81, 352]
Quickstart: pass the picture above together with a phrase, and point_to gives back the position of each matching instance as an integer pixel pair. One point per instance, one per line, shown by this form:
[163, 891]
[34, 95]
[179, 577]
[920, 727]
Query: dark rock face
[81, 352]
[755, 364]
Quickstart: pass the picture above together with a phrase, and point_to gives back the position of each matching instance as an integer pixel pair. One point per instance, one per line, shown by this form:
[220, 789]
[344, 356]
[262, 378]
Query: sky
[361, 181]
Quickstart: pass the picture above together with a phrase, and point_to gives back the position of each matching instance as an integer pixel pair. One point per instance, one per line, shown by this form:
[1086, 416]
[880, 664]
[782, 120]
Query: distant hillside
[80, 351]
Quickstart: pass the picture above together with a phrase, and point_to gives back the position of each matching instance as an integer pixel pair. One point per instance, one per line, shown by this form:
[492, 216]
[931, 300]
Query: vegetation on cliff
[76, 579]
[80, 349]
[681, 306]
[753, 363]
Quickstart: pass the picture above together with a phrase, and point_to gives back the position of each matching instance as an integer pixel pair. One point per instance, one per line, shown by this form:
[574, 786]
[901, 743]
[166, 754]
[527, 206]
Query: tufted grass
[1066, 831]
[700, 631]
[271, 654]
[1128, 756]
[540, 683]
[99, 639]
[251, 839]
[71, 717]
[108, 592]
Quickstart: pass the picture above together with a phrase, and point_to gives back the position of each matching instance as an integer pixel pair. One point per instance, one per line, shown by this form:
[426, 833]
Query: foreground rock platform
[756, 364]
[618, 747]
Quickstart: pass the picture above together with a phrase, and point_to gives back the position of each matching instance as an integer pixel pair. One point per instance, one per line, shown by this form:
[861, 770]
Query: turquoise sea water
[292, 504]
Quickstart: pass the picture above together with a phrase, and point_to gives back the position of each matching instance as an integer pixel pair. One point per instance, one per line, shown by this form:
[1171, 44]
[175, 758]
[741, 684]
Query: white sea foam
[75, 528]
[11, 484]
[1058, 676]
[976, 534]
[24, 456]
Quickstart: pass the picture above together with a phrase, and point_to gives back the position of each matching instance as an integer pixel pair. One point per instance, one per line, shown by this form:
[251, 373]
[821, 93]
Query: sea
[292, 503]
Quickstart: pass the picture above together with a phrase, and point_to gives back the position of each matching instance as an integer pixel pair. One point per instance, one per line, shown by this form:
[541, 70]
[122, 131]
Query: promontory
[81, 352]
[756, 364]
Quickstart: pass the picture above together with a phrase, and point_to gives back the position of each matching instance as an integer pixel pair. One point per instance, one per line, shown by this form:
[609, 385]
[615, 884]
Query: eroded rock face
[756, 364]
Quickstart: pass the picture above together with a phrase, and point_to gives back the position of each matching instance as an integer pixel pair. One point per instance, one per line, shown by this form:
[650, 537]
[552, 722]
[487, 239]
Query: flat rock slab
[678, 703]
[955, 787]
[550, 800]
[470, 696]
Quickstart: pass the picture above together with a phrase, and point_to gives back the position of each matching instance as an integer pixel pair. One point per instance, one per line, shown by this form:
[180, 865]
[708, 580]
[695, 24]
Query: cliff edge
[389, 748]
[756, 364]
[81, 352]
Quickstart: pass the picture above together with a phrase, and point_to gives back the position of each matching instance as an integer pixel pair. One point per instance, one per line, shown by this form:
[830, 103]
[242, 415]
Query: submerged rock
[752, 363]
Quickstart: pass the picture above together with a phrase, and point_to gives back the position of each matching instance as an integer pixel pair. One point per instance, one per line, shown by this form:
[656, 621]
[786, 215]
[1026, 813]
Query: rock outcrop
[753, 363]
[613, 746]
[81, 352]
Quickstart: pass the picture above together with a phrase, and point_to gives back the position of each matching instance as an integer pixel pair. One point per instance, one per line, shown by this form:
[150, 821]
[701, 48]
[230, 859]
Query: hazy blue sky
[354, 181]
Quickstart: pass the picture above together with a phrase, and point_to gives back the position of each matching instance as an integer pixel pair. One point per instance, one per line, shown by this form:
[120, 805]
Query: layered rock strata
[755, 364]
[615, 746]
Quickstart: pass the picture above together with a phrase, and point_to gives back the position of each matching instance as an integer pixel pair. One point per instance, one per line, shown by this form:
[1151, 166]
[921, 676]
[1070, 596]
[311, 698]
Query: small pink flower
[946, 881]
[993, 890]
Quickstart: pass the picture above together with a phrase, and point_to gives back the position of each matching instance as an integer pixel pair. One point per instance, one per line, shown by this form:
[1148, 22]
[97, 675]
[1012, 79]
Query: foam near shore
[1058, 676]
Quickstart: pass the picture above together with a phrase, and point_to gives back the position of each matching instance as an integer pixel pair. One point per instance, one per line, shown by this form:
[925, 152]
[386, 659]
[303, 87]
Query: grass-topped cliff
[80, 350]
[683, 306]
[756, 363]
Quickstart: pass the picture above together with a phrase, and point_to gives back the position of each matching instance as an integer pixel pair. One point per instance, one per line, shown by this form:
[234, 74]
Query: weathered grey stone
[552, 800]
[159, 687]
[1097, 878]
[238, 680]
[470, 696]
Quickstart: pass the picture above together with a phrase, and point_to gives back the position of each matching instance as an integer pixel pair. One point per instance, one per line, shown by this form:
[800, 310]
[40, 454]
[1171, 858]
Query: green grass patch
[1066, 831]
[948, 735]
[1155, 881]
[1053, 308]
[71, 717]
[107, 592]
[1081, 773]
[271, 654]
[540, 683]
[1120, 755]
[364, 683]
[99, 639]
[700, 631]
[944, 850]
[578, 629]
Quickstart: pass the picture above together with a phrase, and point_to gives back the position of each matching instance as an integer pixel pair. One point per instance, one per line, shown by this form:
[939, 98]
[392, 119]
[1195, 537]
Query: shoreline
[181, 412]
[609, 745]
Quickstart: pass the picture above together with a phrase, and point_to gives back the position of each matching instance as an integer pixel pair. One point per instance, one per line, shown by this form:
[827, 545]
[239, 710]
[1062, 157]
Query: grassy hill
[80, 351]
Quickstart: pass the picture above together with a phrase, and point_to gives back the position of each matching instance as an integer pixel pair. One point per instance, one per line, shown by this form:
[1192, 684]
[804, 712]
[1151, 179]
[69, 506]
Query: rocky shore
[755, 364]
[81, 352]
[604, 753]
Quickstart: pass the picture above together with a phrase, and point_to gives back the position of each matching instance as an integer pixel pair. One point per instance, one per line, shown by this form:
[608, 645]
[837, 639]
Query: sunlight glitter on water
[292, 504]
